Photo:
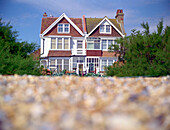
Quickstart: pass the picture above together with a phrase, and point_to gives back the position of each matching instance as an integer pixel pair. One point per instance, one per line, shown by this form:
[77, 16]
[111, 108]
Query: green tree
[15, 56]
[144, 53]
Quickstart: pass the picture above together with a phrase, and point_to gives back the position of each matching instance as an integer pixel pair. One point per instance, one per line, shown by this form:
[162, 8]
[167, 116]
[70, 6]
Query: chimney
[120, 16]
[45, 14]
[120, 19]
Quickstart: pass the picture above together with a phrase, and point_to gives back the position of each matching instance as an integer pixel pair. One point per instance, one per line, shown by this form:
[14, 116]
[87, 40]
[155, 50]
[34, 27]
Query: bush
[144, 54]
[15, 56]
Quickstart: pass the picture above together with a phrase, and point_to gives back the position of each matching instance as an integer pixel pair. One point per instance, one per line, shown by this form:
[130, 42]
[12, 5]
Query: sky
[25, 15]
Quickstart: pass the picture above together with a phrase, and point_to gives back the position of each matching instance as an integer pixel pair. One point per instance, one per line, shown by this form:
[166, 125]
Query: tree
[15, 56]
[144, 53]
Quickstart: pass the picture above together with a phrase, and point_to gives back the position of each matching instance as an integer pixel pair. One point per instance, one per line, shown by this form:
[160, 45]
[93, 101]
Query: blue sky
[25, 15]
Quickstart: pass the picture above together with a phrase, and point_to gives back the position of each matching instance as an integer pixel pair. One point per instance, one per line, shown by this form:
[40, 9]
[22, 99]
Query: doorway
[80, 69]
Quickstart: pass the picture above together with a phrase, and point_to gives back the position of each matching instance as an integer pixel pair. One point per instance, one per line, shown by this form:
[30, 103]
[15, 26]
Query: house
[79, 44]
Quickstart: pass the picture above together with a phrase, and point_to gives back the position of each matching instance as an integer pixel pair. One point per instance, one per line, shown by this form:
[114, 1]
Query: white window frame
[62, 60]
[62, 43]
[107, 62]
[104, 32]
[93, 45]
[63, 27]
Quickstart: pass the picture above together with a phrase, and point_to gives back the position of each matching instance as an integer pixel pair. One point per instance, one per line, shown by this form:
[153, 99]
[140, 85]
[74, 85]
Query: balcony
[78, 52]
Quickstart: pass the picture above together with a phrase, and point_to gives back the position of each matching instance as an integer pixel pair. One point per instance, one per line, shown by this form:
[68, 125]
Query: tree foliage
[14, 55]
[144, 53]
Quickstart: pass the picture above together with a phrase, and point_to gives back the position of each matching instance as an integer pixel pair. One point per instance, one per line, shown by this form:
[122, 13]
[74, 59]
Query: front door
[80, 69]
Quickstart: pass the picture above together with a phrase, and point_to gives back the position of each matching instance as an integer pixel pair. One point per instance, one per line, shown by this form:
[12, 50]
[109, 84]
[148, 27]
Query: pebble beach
[84, 103]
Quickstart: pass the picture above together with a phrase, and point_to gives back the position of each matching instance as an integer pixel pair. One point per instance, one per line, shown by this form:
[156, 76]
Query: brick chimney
[120, 19]
[45, 14]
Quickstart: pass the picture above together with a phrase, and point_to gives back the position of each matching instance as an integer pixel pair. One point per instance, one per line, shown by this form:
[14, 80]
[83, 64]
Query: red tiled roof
[36, 54]
[59, 53]
[109, 54]
[46, 22]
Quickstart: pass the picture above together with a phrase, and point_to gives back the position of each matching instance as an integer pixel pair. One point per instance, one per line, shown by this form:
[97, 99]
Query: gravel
[82, 103]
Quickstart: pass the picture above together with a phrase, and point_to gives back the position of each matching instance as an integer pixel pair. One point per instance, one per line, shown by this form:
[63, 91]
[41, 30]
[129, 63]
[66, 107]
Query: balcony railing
[78, 52]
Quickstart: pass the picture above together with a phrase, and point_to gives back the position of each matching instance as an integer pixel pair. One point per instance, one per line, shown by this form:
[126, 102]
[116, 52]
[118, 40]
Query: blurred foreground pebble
[84, 103]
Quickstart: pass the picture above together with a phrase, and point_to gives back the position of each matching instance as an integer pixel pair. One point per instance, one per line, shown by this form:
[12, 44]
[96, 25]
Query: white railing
[79, 52]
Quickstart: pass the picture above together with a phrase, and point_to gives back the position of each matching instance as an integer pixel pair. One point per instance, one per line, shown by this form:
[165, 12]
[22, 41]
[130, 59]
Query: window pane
[59, 43]
[107, 28]
[96, 44]
[52, 62]
[66, 27]
[110, 42]
[60, 27]
[101, 28]
[59, 65]
[104, 63]
[53, 43]
[104, 44]
[110, 62]
[79, 44]
[90, 46]
[66, 64]
[66, 43]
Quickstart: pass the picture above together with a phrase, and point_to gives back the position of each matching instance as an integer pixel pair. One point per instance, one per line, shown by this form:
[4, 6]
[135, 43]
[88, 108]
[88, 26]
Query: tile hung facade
[79, 44]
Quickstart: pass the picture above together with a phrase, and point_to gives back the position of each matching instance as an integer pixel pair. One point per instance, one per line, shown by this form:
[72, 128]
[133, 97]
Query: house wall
[73, 31]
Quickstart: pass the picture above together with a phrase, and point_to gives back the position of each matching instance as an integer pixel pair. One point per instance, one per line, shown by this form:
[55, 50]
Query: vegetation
[143, 53]
[15, 56]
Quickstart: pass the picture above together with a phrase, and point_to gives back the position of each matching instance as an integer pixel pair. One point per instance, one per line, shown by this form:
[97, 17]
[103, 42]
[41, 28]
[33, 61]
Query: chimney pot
[45, 14]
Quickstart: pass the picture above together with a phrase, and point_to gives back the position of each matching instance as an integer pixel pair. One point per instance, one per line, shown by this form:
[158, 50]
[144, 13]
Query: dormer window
[105, 29]
[63, 28]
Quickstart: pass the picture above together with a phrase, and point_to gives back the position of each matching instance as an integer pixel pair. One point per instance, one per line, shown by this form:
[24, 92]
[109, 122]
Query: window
[92, 63]
[104, 44]
[77, 60]
[60, 28]
[105, 29]
[66, 43]
[59, 43]
[66, 64]
[79, 44]
[93, 44]
[104, 63]
[110, 43]
[63, 28]
[52, 63]
[53, 43]
[110, 62]
[66, 29]
[59, 65]
[102, 28]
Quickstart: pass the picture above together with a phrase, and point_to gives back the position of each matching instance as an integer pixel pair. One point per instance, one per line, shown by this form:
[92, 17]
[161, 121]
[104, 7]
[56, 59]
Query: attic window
[105, 29]
[63, 28]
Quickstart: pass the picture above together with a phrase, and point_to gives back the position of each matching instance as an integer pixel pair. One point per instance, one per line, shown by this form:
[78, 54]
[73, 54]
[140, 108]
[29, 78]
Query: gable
[49, 23]
[73, 32]
[93, 23]
[96, 33]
